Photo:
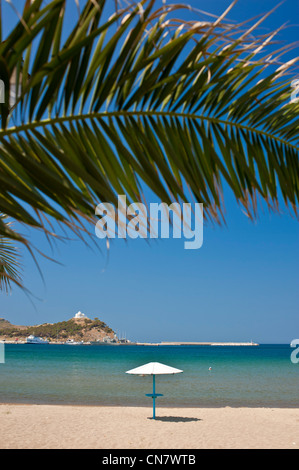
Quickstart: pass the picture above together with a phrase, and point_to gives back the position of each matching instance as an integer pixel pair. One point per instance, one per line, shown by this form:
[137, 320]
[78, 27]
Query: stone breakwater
[187, 343]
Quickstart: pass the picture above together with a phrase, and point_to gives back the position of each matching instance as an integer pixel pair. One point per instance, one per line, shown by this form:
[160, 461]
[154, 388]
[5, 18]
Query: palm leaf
[142, 98]
[9, 262]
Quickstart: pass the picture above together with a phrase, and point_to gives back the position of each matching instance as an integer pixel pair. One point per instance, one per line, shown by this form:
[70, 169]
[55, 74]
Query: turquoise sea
[256, 376]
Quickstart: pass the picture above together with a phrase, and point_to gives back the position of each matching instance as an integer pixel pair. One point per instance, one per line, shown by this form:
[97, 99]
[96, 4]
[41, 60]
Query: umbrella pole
[154, 393]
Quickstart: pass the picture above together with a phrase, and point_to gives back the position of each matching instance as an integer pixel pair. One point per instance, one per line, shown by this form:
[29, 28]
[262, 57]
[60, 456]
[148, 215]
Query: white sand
[66, 427]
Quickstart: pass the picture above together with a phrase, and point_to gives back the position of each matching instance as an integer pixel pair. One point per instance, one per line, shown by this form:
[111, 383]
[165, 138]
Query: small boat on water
[36, 340]
[71, 342]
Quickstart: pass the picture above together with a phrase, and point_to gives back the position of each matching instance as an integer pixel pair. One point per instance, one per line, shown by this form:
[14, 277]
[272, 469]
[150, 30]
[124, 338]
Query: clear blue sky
[241, 285]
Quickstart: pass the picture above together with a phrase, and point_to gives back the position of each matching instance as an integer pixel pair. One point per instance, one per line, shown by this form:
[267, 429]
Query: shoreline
[129, 343]
[159, 405]
[117, 427]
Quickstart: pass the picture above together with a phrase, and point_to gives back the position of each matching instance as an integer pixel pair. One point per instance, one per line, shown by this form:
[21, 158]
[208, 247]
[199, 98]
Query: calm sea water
[261, 376]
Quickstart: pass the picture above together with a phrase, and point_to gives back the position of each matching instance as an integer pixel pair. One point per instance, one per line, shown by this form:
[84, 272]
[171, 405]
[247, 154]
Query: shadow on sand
[176, 419]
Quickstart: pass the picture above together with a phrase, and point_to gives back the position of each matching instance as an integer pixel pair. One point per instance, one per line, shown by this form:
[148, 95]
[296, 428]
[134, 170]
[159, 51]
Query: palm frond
[143, 98]
[10, 270]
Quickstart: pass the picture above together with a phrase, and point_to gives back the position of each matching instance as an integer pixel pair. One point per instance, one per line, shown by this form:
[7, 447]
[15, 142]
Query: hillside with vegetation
[79, 330]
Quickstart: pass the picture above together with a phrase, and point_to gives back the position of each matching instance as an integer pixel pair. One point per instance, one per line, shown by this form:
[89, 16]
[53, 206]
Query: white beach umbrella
[154, 368]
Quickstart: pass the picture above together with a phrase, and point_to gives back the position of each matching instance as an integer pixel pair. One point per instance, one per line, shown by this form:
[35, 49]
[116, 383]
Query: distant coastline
[162, 343]
[87, 332]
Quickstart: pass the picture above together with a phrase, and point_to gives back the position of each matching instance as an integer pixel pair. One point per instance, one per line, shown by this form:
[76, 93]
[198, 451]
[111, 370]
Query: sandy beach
[77, 427]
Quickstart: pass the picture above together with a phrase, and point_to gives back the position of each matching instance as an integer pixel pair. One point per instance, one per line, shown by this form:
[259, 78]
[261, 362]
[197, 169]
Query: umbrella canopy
[154, 368]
